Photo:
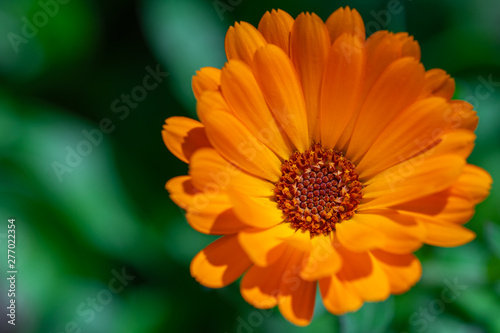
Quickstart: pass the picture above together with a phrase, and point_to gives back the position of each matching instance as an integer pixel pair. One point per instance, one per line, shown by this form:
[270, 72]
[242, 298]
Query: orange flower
[323, 157]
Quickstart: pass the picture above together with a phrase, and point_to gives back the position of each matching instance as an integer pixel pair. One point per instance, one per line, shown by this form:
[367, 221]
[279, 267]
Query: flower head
[323, 158]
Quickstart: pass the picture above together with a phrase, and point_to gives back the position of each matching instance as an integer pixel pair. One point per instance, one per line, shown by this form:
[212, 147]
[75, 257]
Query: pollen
[318, 189]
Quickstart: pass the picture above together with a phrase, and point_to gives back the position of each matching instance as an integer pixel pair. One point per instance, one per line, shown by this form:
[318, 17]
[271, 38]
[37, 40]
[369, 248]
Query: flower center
[318, 189]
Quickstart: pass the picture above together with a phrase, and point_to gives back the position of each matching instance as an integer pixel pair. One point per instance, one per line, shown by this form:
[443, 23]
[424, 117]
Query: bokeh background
[70, 69]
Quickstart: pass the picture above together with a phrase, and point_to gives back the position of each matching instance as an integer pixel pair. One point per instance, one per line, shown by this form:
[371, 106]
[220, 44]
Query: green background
[110, 211]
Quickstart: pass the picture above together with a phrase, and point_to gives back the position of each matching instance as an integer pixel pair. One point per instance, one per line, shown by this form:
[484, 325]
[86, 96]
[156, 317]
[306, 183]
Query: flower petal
[263, 286]
[463, 115]
[384, 229]
[415, 130]
[183, 136]
[281, 87]
[345, 20]
[220, 263]
[242, 41]
[455, 204]
[382, 49]
[412, 179]
[340, 89]
[207, 78]
[475, 183]
[234, 141]
[216, 219]
[366, 277]
[212, 173]
[398, 87]
[446, 206]
[182, 191]
[323, 260]
[337, 297]
[439, 83]
[446, 234]
[207, 213]
[298, 305]
[255, 211]
[309, 46]
[275, 27]
[265, 246]
[242, 93]
[403, 271]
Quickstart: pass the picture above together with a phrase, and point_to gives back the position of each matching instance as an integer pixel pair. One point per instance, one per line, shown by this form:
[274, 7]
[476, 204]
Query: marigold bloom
[322, 156]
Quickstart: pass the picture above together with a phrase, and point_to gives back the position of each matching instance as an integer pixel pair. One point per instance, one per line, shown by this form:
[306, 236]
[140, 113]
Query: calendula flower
[323, 158]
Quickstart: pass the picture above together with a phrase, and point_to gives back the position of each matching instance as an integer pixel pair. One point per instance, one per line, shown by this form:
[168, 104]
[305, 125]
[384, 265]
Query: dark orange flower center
[318, 189]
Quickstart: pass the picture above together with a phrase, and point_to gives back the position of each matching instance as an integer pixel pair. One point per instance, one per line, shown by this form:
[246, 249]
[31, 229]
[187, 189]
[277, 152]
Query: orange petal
[455, 204]
[458, 142]
[323, 260]
[391, 231]
[234, 141]
[382, 49]
[282, 90]
[220, 263]
[209, 213]
[462, 115]
[275, 27]
[242, 93]
[207, 78]
[298, 306]
[258, 212]
[183, 136]
[403, 271]
[415, 130]
[345, 20]
[362, 274]
[216, 219]
[242, 41]
[341, 88]
[412, 179]
[337, 297]
[398, 87]
[265, 246]
[263, 286]
[475, 183]
[212, 173]
[446, 206]
[309, 46]
[439, 83]
[182, 191]
[445, 234]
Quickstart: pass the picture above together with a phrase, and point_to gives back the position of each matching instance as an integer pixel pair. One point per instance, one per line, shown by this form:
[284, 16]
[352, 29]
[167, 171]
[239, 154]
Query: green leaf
[185, 36]
[492, 234]
[372, 317]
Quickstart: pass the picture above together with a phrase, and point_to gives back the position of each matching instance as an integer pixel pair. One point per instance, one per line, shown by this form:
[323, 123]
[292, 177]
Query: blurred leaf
[492, 233]
[448, 324]
[372, 317]
[43, 35]
[469, 262]
[482, 305]
[185, 37]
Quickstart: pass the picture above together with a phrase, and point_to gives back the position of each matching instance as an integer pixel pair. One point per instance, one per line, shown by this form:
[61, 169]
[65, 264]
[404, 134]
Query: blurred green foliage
[79, 226]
